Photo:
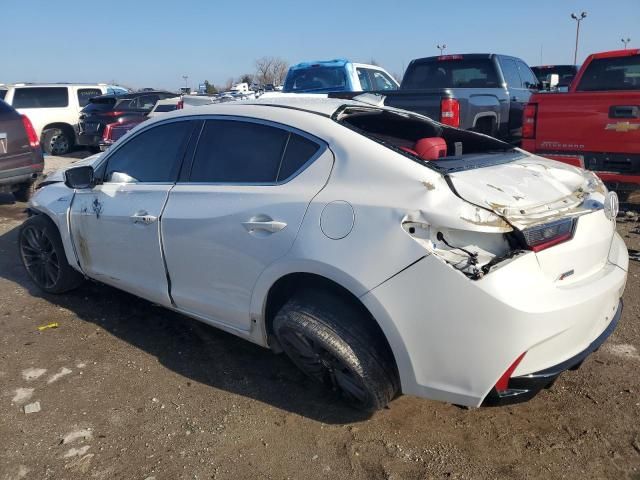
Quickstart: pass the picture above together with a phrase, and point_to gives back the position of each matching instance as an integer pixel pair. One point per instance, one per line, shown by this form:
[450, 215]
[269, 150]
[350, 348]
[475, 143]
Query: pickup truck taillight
[529, 120]
[32, 136]
[450, 112]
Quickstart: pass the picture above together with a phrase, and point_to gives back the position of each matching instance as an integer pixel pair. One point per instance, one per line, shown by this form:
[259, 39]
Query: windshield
[456, 72]
[315, 78]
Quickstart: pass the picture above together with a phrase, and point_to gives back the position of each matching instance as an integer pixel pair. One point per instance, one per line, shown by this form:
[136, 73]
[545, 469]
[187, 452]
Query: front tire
[42, 255]
[331, 341]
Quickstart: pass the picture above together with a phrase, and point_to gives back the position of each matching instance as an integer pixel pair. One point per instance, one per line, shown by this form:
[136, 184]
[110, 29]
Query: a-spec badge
[622, 126]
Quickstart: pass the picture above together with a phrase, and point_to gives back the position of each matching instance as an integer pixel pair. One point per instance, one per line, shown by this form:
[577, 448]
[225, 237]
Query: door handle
[270, 226]
[624, 111]
[143, 217]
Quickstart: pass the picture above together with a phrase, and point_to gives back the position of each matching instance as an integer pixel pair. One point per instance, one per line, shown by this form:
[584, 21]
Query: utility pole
[578, 19]
[442, 48]
[625, 41]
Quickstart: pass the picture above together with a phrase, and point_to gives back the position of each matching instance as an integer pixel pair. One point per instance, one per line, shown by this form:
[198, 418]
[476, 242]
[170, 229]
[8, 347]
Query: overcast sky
[145, 43]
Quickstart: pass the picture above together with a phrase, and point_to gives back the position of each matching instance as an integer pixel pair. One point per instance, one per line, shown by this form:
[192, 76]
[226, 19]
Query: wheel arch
[67, 128]
[284, 286]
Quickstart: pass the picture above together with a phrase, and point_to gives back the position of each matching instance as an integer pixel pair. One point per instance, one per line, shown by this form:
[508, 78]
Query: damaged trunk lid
[532, 194]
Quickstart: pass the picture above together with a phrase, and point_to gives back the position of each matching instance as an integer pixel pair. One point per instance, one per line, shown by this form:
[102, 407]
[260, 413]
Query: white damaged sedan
[383, 252]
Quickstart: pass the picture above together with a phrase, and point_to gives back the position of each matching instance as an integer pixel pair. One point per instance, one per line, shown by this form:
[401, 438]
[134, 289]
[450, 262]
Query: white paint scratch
[622, 350]
[63, 371]
[84, 434]
[33, 373]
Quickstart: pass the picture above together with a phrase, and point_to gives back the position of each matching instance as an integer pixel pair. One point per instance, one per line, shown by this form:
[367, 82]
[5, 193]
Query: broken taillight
[544, 236]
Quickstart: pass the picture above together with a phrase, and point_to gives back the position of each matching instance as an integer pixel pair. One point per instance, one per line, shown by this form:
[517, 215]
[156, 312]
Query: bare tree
[271, 70]
[228, 84]
[246, 78]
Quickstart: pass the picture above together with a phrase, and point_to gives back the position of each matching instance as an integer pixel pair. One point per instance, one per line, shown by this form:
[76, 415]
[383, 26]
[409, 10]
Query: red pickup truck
[596, 124]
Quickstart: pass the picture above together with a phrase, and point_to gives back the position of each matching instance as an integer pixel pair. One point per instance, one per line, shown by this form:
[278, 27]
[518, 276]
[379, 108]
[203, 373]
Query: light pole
[185, 78]
[442, 48]
[625, 41]
[578, 19]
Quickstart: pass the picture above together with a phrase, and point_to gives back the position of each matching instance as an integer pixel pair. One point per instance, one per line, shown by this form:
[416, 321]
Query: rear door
[115, 226]
[238, 211]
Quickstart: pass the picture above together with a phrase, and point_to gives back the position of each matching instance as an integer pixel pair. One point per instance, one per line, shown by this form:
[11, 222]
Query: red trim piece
[503, 382]
[552, 242]
[575, 160]
[618, 177]
[408, 150]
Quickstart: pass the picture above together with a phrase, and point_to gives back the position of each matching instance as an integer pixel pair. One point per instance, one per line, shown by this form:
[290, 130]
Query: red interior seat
[431, 148]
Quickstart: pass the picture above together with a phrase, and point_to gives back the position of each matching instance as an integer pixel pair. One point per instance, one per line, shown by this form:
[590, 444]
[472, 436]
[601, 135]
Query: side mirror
[554, 80]
[79, 177]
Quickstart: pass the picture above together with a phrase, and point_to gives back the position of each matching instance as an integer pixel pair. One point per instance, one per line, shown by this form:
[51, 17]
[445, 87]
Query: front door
[240, 211]
[115, 226]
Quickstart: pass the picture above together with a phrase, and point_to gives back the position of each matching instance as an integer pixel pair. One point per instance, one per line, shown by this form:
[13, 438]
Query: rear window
[453, 73]
[165, 108]
[84, 94]
[99, 104]
[622, 73]
[564, 72]
[40, 97]
[315, 78]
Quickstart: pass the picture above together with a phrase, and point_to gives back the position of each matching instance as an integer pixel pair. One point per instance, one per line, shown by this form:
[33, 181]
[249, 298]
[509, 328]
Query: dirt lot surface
[128, 390]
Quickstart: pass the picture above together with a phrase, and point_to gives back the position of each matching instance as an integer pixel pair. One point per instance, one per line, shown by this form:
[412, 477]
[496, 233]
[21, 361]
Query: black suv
[21, 160]
[106, 109]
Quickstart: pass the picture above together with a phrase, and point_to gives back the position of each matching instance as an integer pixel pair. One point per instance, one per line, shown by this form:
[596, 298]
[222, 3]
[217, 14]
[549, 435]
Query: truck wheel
[328, 339]
[43, 256]
[24, 191]
[55, 141]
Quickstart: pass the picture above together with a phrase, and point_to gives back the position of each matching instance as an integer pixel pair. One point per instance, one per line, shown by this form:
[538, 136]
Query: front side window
[510, 72]
[154, 155]
[382, 81]
[618, 73]
[3, 93]
[41, 97]
[231, 151]
[84, 94]
[529, 80]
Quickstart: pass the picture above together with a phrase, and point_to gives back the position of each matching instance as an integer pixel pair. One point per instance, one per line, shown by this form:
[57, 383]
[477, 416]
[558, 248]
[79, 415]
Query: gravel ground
[128, 390]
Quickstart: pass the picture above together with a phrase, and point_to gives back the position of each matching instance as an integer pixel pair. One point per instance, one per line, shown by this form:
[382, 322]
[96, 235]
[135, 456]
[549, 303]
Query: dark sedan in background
[114, 109]
[21, 160]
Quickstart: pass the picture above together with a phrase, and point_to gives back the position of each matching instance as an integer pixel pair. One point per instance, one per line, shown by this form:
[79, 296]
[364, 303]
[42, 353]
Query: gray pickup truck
[481, 92]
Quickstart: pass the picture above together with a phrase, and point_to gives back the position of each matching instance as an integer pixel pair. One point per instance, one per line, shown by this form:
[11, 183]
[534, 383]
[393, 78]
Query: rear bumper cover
[525, 387]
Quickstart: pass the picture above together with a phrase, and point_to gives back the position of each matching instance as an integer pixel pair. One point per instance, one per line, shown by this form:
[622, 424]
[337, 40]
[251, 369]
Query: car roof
[59, 84]
[337, 62]
[313, 104]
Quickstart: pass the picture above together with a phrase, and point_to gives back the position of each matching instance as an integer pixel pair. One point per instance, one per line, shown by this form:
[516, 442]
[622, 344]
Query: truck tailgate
[589, 122]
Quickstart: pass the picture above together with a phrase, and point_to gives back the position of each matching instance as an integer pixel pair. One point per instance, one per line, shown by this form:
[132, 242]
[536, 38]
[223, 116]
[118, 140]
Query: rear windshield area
[99, 104]
[565, 73]
[621, 73]
[452, 71]
[315, 78]
[401, 131]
